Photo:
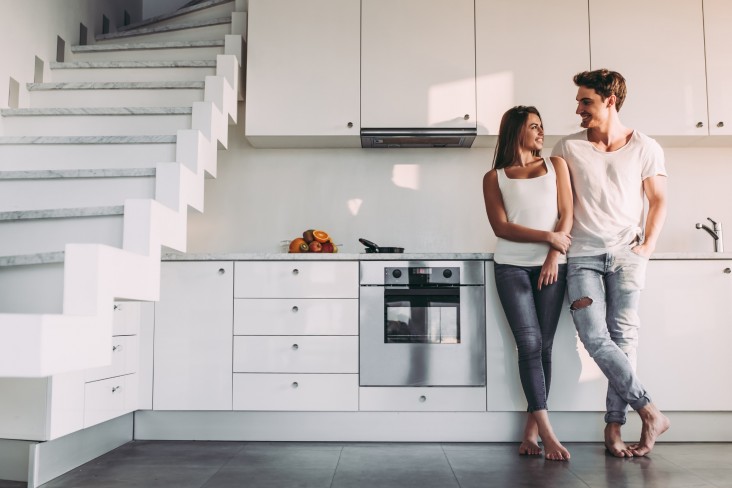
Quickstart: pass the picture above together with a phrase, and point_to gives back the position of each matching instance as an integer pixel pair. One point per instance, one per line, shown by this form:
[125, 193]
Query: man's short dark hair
[605, 83]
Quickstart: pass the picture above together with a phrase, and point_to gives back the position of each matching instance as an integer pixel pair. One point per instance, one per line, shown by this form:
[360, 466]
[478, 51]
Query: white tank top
[532, 203]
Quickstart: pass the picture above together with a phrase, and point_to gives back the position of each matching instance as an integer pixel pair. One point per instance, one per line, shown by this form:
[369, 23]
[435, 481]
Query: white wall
[28, 28]
[425, 200]
[152, 8]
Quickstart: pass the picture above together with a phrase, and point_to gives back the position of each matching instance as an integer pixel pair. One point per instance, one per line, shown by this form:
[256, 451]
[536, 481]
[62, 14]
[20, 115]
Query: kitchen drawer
[125, 354]
[126, 318]
[296, 316]
[296, 279]
[295, 354]
[109, 398]
[337, 392]
[420, 399]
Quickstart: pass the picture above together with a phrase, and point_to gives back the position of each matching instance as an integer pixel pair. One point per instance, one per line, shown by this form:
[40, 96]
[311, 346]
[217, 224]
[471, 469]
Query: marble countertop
[433, 256]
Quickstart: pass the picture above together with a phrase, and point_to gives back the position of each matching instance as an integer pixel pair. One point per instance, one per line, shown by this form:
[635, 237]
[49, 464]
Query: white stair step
[110, 71]
[36, 190]
[49, 230]
[149, 51]
[114, 94]
[59, 153]
[188, 31]
[96, 121]
[32, 283]
[202, 11]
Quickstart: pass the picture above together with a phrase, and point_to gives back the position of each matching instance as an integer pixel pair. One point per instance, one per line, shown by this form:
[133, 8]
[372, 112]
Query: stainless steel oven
[422, 323]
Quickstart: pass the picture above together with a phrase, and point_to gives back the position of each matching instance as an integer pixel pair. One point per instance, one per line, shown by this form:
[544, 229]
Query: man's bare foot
[529, 447]
[530, 443]
[655, 423]
[614, 442]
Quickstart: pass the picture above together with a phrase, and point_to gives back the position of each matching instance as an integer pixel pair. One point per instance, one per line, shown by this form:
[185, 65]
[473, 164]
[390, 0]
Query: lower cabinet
[109, 398]
[276, 392]
[432, 399]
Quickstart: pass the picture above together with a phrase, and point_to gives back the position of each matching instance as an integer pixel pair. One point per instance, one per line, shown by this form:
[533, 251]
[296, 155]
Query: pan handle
[369, 244]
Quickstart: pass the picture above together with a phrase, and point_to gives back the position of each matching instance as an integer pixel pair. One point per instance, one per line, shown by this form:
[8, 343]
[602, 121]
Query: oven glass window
[432, 318]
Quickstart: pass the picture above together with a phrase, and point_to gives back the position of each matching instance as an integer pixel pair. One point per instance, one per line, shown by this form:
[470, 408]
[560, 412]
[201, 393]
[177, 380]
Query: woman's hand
[549, 270]
[560, 241]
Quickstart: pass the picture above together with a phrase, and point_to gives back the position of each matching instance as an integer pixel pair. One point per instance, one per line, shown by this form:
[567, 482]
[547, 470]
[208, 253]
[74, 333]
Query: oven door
[422, 336]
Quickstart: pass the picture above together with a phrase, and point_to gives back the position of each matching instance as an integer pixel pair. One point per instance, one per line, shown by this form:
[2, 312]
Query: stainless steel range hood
[407, 138]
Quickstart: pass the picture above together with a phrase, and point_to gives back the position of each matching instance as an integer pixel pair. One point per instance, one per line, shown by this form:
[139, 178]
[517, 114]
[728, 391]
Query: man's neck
[610, 136]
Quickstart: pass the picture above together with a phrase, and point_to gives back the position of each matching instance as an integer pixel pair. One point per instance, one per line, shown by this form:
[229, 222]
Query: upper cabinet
[718, 38]
[303, 73]
[532, 65]
[417, 64]
[658, 47]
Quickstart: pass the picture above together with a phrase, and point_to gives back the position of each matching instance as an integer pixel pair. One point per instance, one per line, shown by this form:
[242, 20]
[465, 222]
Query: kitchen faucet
[715, 232]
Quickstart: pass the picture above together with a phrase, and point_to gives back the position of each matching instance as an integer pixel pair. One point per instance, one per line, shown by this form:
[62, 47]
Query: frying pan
[371, 247]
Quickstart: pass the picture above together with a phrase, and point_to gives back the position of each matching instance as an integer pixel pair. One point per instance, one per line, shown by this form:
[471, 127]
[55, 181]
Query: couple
[531, 208]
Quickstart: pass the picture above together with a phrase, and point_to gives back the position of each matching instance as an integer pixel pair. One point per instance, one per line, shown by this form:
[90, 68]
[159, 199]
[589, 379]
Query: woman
[529, 204]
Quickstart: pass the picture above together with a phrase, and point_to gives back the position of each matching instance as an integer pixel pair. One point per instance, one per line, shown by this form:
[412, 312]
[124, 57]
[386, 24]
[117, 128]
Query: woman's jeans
[533, 316]
[608, 322]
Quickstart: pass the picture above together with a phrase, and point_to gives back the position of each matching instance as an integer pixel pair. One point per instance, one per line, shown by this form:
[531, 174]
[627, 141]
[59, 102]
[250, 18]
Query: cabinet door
[193, 337]
[686, 317]
[659, 49]
[531, 68]
[417, 64]
[303, 69]
[718, 37]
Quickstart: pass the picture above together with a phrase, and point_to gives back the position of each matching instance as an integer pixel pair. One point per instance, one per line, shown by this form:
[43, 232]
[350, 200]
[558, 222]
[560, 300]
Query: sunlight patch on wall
[589, 370]
[406, 176]
[354, 205]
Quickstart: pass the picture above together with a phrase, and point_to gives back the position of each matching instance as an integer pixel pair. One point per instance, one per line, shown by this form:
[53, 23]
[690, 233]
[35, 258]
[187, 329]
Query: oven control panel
[421, 275]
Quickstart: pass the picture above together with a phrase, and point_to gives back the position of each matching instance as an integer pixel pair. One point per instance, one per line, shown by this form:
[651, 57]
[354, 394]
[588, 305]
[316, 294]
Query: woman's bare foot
[655, 423]
[553, 449]
[530, 443]
[614, 442]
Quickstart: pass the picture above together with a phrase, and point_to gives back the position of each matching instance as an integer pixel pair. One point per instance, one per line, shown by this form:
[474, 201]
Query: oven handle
[388, 292]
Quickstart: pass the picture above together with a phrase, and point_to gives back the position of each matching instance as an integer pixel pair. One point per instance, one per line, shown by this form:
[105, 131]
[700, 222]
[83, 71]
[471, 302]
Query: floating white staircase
[98, 173]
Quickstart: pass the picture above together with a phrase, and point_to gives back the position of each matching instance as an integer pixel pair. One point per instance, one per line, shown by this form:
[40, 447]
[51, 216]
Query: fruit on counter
[321, 236]
[313, 240]
[298, 244]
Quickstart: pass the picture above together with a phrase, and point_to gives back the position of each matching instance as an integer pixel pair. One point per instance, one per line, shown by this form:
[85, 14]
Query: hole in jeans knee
[580, 303]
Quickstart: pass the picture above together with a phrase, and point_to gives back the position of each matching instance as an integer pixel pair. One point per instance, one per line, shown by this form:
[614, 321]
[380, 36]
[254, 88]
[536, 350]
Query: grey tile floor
[386, 465]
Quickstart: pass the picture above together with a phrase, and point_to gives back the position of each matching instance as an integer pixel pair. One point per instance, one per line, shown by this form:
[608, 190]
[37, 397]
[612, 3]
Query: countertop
[436, 256]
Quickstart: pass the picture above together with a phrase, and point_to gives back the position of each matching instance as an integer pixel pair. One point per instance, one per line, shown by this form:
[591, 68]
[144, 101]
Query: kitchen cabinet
[686, 315]
[423, 399]
[417, 64]
[296, 336]
[193, 336]
[531, 67]
[718, 38]
[303, 73]
[660, 51]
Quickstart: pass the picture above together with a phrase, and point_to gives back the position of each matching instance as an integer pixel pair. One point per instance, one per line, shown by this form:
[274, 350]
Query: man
[612, 167]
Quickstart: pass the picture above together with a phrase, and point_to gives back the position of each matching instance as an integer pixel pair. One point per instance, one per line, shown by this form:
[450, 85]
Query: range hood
[408, 138]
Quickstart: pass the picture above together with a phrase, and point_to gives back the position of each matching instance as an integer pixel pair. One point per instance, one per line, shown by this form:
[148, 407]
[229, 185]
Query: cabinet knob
[466, 117]
[422, 399]
[720, 124]
[295, 309]
[699, 125]
[295, 347]
[115, 388]
[295, 384]
[117, 307]
[350, 125]
[727, 271]
[222, 271]
[295, 271]
[118, 347]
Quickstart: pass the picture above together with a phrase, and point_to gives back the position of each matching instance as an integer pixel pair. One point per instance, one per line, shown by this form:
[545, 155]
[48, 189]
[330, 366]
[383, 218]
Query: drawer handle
[117, 307]
[295, 384]
[295, 309]
[118, 347]
[699, 125]
[222, 271]
[422, 399]
[295, 271]
[720, 124]
[115, 388]
[295, 347]
[727, 271]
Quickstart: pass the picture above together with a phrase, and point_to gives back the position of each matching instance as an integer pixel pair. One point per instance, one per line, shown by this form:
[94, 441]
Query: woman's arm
[550, 269]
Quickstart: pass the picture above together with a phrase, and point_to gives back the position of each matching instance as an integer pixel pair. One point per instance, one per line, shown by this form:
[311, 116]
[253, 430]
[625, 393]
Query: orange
[297, 245]
[320, 236]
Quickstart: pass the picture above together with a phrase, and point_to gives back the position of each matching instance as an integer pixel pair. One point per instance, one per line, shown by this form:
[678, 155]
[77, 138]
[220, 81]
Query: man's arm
[655, 189]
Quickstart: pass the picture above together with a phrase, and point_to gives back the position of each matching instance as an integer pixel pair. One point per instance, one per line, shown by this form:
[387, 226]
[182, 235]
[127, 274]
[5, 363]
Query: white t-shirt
[531, 202]
[608, 190]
